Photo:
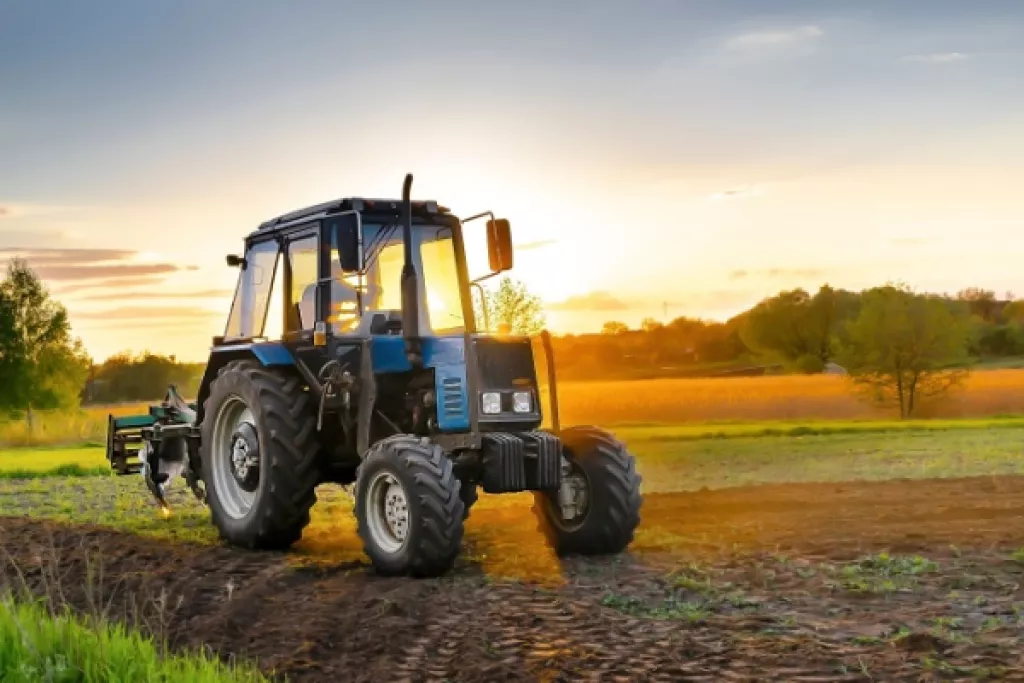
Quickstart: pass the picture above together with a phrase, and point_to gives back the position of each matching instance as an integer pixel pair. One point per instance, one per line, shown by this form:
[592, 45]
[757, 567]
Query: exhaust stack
[410, 283]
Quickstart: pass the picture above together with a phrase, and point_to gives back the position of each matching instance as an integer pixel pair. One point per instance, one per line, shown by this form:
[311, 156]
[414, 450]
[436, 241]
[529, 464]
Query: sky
[656, 158]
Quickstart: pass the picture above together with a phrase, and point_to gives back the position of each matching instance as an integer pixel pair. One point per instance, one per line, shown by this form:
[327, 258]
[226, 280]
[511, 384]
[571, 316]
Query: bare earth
[900, 580]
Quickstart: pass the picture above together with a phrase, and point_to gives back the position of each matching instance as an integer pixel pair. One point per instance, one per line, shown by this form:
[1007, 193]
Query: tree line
[898, 346]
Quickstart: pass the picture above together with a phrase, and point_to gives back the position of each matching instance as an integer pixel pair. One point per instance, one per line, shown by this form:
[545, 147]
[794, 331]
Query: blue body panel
[267, 353]
[447, 357]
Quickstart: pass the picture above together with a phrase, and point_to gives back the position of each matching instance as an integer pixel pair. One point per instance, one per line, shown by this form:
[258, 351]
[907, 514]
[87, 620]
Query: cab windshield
[379, 289]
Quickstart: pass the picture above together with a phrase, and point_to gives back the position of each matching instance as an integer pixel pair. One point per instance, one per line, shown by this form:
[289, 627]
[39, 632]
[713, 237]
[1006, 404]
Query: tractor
[352, 355]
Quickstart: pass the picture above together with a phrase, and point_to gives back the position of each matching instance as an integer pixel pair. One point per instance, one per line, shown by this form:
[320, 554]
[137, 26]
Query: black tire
[285, 425]
[614, 499]
[435, 508]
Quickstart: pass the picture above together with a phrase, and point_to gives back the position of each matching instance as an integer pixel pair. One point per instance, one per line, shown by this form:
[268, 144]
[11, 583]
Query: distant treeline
[794, 331]
[141, 377]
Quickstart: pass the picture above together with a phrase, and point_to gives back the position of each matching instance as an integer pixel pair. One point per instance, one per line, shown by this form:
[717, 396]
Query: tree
[797, 328]
[904, 347]
[614, 327]
[1014, 311]
[980, 302]
[512, 307]
[41, 366]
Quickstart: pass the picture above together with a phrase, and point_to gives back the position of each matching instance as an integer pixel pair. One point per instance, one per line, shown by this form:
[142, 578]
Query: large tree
[796, 328]
[512, 308]
[41, 366]
[905, 347]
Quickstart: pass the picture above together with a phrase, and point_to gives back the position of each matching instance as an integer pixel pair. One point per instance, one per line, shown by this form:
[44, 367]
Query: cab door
[305, 296]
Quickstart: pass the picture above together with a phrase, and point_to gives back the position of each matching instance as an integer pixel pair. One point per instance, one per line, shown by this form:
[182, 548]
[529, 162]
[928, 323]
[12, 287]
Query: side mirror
[499, 244]
[348, 239]
[234, 261]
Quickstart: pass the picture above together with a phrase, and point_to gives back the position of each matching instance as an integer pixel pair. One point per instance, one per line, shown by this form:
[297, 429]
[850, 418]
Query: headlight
[492, 403]
[521, 402]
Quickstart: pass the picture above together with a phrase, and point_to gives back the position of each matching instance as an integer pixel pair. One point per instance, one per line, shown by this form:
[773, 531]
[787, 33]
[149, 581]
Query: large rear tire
[610, 511]
[259, 455]
[408, 508]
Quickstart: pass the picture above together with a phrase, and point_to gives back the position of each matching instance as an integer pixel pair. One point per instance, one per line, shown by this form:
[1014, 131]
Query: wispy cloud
[937, 58]
[774, 38]
[113, 283]
[168, 294]
[61, 265]
[908, 241]
[52, 256]
[777, 274]
[147, 313]
[594, 301]
[737, 193]
[538, 244]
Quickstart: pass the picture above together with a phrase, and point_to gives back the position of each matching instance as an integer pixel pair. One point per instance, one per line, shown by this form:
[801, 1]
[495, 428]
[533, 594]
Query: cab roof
[387, 207]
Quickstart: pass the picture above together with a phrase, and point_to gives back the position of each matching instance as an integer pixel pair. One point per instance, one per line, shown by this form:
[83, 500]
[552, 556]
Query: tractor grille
[451, 397]
[502, 362]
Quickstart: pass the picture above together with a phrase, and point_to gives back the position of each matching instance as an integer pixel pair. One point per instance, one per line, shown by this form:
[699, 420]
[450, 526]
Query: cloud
[144, 281]
[908, 241]
[168, 294]
[4, 211]
[148, 313]
[937, 58]
[48, 256]
[767, 39]
[737, 193]
[539, 244]
[594, 301]
[777, 273]
[56, 264]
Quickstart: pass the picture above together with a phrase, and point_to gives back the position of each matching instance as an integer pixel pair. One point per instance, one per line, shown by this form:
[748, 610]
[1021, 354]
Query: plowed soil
[903, 580]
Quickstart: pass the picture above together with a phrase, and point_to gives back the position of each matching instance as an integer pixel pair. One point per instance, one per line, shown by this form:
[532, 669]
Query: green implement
[157, 446]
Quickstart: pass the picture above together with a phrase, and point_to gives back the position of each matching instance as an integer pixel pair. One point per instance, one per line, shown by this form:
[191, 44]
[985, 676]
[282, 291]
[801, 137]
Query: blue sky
[696, 154]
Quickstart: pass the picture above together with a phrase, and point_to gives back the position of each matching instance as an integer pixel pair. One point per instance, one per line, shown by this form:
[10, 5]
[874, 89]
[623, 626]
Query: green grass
[37, 646]
[88, 460]
[683, 465]
[779, 428]
[16, 463]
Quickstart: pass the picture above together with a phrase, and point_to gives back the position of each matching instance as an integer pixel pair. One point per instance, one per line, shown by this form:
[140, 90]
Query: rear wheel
[408, 508]
[259, 455]
[597, 509]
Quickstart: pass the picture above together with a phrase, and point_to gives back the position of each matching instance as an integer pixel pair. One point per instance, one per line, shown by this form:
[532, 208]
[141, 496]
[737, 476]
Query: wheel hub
[396, 511]
[387, 511]
[573, 495]
[245, 457]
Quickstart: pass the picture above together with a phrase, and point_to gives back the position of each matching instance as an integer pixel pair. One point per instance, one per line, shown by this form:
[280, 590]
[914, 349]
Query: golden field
[987, 393]
[788, 397]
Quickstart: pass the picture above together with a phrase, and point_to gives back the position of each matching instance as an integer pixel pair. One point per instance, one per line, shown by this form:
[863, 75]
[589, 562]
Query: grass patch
[38, 646]
[882, 573]
[76, 461]
[761, 429]
[670, 608]
[687, 465]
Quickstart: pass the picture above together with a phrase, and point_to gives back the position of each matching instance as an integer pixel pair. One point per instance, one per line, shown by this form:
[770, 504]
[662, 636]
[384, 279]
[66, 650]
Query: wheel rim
[581, 481]
[387, 512]
[236, 466]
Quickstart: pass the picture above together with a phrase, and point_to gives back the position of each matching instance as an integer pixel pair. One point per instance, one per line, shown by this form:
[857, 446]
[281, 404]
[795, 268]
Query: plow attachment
[160, 446]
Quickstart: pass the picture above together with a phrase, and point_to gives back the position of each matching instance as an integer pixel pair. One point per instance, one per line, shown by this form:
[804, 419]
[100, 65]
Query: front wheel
[597, 509]
[408, 508]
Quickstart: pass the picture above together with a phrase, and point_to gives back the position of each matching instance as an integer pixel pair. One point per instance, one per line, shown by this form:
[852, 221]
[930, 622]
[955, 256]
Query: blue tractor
[353, 354]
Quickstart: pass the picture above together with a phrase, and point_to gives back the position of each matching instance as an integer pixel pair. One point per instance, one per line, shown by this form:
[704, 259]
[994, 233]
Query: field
[794, 538]
[670, 401]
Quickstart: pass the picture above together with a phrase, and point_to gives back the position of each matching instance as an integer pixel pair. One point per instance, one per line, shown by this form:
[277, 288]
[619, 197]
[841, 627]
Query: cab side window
[304, 258]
